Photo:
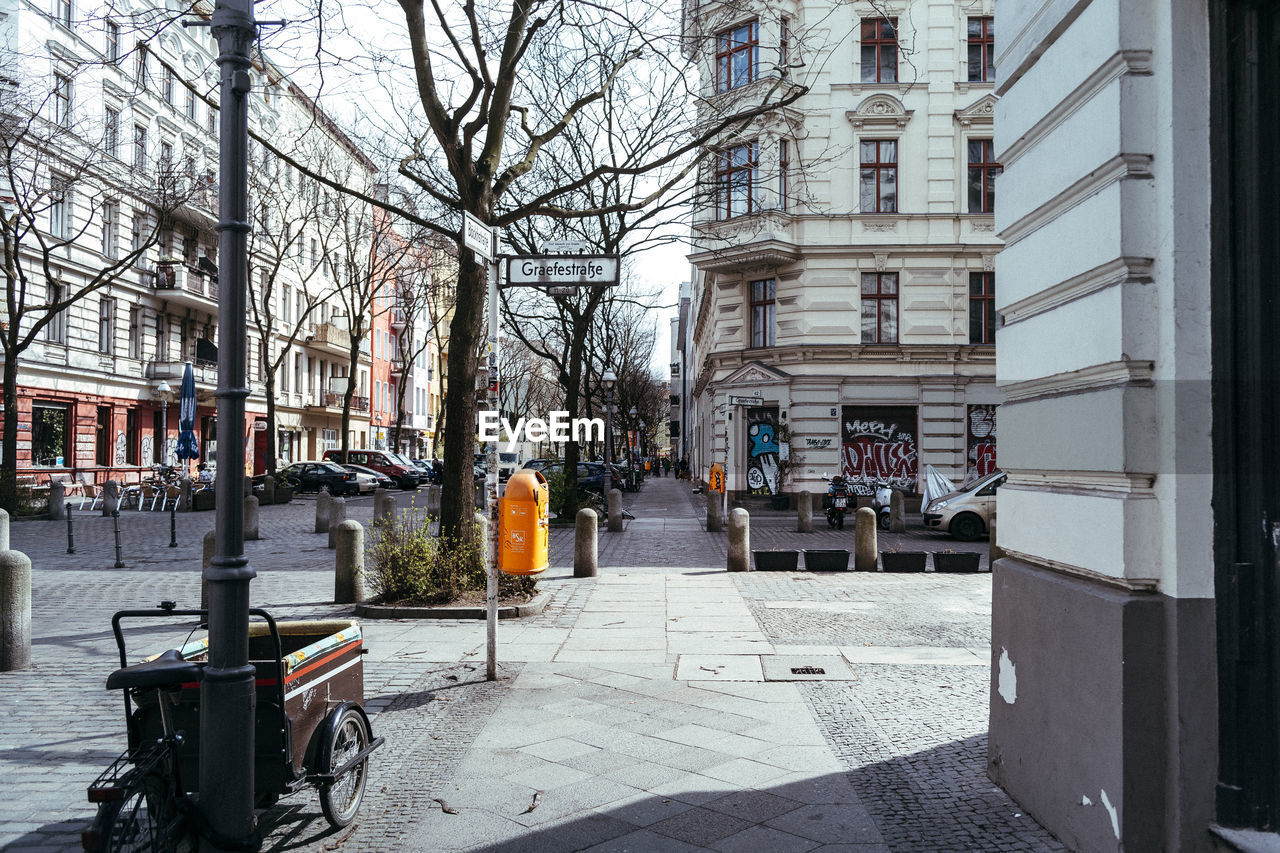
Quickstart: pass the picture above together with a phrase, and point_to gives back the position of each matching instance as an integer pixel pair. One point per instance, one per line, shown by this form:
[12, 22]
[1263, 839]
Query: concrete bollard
[615, 511]
[210, 547]
[739, 541]
[804, 512]
[185, 489]
[866, 548]
[384, 507]
[268, 490]
[715, 521]
[248, 486]
[348, 563]
[433, 500]
[897, 513]
[4, 530]
[15, 610]
[251, 519]
[337, 515]
[586, 562]
[994, 551]
[110, 497]
[57, 497]
[323, 501]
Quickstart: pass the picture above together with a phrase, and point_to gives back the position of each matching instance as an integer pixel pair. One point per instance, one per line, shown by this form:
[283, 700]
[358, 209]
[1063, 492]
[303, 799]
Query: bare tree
[425, 294]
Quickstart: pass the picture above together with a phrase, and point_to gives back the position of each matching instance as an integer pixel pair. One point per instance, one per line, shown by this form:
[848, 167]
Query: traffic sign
[563, 270]
[477, 236]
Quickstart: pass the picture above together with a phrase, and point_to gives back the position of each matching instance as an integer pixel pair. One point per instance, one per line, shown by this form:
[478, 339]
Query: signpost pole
[728, 431]
[491, 478]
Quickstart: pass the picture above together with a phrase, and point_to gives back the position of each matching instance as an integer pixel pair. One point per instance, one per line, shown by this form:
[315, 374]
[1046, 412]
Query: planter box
[965, 562]
[284, 494]
[903, 561]
[202, 500]
[776, 561]
[779, 502]
[826, 560]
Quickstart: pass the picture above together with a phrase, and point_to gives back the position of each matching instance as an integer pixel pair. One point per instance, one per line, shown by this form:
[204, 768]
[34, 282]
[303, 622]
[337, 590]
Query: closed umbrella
[188, 445]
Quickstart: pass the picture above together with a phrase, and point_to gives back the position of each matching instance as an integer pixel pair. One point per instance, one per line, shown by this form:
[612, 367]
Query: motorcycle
[838, 496]
[880, 503]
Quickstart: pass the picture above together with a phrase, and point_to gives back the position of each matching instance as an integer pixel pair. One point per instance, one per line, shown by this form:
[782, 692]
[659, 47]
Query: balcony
[398, 321]
[185, 285]
[205, 372]
[332, 404]
[397, 367]
[328, 338]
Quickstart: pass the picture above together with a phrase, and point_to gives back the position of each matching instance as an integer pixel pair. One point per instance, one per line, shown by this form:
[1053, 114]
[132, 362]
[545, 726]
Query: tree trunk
[272, 450]
[353, 360]
[9, 468]
[456, 501]
[577, 347]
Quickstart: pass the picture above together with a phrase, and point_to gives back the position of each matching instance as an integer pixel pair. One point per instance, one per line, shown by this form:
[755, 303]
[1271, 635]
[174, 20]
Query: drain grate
[805, 668]
[808, 670]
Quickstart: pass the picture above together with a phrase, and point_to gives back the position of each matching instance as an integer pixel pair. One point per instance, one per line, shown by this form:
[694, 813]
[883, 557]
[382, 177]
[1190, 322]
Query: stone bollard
[348, 563]
[433, 500]
[994, 552]
[248, 486]
[804, 512]
[866, 549]
[615, 511]
[323, 502]
[57, 497]
[251, 519]
[269, 490]
[15, 610]
[715, 521]
[210, 548]
[897, 513]
[585, 555]
[377, 499]
[384, 507]
[4, 530]
[110, 497]
[185, 488]
[337, 515]
[739, 541]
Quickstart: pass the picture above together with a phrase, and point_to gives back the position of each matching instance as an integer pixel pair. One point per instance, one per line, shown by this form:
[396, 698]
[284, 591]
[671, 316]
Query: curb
[529, 608]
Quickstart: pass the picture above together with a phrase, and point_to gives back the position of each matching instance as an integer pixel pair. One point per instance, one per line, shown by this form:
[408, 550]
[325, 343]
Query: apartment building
[841, 316]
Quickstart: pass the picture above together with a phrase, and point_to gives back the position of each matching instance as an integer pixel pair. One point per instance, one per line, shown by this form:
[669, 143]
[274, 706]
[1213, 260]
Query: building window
[982, 50]
[879, 50]
[736, 169]
[879, 307]
[763, 314]
[135, 332]
[111, 132]
[982, 308]
[131, 437]
[983, 169]
[784, 44]
[784, 173]
[211, 120]
[106, 325]
[49, 439]
[102, 438]
[167, 85]
[59, 207]
[139, 147]
[191, 104]
[61, 100]
[158, 429]
[166, 156]
[737, 56]
[113, 42]
[110, 224]
[64, 12]
[56, 331]
[140, 67]
[878, 175]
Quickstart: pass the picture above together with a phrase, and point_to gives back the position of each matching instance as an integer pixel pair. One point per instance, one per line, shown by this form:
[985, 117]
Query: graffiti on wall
[878, 444]
[122, 445]
[148, 449]
[762, 450]
[980, 457]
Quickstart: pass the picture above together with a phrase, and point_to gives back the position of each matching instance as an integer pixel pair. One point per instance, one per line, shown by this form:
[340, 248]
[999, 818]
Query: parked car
[508, 464]
[592, 476]
[966, 513]
[370, 479]
[405, 474]
[312, 476]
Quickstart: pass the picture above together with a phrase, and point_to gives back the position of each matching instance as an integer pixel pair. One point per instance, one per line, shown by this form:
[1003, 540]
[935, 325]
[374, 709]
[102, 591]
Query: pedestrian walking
[666, 466]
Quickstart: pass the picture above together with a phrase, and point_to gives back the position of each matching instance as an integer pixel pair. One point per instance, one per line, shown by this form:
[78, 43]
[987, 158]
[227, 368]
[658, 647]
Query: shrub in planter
[776, 561]
[779, 502]
[903, 561]
[826, 560]
[951, 561]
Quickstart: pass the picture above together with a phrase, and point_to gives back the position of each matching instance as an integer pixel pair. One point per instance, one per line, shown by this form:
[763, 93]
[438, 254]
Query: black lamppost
[644, 445]
[631, 464]
[609, 380]
[164, 390]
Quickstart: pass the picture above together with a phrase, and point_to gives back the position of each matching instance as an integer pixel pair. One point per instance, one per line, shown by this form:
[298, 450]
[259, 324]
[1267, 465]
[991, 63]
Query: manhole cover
[808, 670]
[784, 667]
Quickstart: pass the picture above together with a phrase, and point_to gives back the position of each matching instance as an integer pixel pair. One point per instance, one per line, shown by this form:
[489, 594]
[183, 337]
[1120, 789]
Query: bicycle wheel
[341, 800]
[142, 820]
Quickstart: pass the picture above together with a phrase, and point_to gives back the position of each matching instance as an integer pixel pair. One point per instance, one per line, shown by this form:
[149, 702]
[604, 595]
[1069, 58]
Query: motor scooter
[880, 503]
[838, 495]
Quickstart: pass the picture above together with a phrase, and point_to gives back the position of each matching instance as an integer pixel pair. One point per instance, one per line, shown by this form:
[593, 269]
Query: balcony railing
[184, 279]
[331, 335]
[334, 401]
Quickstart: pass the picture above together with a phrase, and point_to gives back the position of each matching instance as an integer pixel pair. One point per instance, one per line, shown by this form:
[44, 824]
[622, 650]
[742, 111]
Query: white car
[966, 513]
[366, 482]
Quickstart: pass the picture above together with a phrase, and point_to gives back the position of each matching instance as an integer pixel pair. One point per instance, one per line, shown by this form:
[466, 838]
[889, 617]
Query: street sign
[744, 401]
[477, 236]
[259, 426]
[566, 247]
[562, 270]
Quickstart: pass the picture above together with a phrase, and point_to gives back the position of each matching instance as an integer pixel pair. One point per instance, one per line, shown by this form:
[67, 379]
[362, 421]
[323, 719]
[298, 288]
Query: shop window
[50, 437]
[102, 438]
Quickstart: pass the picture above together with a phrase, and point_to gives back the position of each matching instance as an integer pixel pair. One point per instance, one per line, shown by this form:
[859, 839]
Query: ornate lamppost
[608, 380]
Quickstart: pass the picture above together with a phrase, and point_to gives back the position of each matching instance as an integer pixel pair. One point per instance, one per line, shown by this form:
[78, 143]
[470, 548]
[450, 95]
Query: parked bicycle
[144, 797]
[600, 504]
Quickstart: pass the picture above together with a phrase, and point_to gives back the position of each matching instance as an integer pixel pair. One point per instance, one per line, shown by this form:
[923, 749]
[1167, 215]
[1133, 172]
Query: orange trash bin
[524, 513]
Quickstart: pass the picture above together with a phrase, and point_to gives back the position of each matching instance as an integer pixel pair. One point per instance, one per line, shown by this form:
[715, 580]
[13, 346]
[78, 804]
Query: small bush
[409, 565]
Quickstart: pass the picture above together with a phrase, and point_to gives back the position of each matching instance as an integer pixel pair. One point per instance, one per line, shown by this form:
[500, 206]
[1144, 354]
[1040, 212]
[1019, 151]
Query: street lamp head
[609, 379]
[163, 388]
[634, 411]
[643, 425]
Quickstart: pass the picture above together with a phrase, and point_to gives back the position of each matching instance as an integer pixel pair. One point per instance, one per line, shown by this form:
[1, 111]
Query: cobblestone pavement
[586, 712]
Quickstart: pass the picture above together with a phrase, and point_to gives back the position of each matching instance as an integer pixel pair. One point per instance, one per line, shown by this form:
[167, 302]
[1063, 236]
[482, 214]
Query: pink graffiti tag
[868, 459]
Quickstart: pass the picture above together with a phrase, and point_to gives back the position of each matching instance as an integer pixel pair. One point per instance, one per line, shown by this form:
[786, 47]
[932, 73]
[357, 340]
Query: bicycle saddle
[170, 668]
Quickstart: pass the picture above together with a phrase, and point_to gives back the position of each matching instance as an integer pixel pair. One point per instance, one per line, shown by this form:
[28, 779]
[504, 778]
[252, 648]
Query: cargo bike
[310, 730]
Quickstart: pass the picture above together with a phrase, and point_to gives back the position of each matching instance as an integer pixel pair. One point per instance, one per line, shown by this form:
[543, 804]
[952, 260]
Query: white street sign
[566, 247]
[477, 236]
[744, 401]
[562, 270]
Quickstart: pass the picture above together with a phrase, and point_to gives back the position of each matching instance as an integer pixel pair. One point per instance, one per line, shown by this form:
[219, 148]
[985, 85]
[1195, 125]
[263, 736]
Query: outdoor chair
[92, 495]
[170, 496]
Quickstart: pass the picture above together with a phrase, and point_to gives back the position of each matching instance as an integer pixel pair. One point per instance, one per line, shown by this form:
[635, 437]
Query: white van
[966, 513]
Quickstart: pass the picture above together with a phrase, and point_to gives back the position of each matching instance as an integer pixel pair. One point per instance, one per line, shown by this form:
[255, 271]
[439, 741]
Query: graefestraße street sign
[562, 270]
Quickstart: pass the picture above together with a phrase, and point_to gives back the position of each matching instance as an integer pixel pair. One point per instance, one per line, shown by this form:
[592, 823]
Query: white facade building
[842, 316]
